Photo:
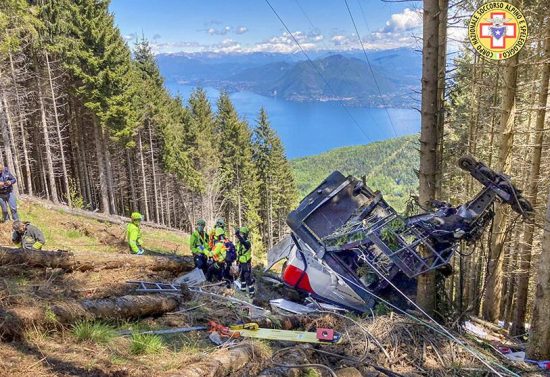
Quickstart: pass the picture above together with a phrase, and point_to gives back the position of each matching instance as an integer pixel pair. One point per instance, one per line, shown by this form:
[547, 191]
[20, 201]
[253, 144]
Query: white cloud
[340, 40]
[405, 34]
[173, 47]
[285, 43]
[318, 37]
[404, 21]
[131, 37]
[241, 29]
[222, 31]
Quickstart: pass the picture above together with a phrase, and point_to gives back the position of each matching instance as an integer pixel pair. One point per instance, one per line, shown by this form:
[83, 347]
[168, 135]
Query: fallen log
[489, 325]
[85, 261]
[124, 307]
[222, 363]
[14, 321]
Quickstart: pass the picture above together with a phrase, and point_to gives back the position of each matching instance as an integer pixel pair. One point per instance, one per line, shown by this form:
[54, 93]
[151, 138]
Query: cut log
[125, 307]
[221, 363]
[14, 321]
[85, 261]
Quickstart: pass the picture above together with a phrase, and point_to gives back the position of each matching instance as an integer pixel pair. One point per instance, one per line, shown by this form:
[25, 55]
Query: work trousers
[246, 278]
[200, 262]
[6, 200]
[214, 271]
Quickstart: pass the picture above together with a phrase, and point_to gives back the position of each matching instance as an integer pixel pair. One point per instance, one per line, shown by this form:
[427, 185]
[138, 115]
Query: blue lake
[312, 128]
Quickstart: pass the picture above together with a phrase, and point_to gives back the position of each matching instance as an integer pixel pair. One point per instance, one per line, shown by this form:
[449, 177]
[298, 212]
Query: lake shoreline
[311, 128]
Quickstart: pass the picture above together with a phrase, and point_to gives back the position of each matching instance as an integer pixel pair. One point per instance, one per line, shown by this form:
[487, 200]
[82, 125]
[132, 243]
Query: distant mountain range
[334, 77]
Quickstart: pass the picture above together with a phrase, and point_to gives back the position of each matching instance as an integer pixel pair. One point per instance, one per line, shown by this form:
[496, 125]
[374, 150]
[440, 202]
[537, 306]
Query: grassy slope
[72, 232]
[389, 166]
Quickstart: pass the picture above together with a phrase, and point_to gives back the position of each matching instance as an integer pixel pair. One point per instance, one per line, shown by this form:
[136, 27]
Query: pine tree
[276, 183]
[205, 153]
[239, 183]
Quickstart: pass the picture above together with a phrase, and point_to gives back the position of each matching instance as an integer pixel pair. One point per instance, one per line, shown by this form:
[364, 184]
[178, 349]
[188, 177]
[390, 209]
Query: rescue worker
[244, 255]
[27, 236]
[220, 223]
[199, 245]
[133, 234]
[230, 263]
[218, 253]
[7, 196]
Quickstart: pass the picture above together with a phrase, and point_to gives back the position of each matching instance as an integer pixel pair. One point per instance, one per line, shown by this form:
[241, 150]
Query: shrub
[94, 331]
[144, 344]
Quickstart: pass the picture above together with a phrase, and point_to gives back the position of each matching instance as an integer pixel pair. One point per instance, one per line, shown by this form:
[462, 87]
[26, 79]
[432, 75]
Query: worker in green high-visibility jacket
[216, 264]
[244, 258]
[133, 234]
[198, 242]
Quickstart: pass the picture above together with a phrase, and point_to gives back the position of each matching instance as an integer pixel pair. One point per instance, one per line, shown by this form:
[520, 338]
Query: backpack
[231, 252]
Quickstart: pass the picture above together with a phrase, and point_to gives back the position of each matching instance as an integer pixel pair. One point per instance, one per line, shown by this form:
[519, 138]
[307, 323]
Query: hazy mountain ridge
[347, 74]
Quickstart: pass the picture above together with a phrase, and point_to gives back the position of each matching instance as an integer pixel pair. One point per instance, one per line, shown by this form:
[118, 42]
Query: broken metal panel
[280, 251]
[291, 307]
[191, 279]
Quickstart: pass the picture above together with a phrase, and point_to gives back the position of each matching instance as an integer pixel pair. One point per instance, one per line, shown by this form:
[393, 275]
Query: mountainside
[389, 166]
[343, 78]
[288, 76]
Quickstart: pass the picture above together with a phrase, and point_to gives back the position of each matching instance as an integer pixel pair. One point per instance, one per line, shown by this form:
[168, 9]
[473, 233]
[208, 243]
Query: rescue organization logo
[497, 30]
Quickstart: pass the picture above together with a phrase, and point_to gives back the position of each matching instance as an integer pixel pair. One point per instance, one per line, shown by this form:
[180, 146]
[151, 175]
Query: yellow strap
[246, 326]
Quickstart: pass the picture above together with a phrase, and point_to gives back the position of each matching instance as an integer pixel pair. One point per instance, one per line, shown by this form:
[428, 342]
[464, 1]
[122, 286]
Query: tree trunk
[7, 136]
[47, 144]
[440, 117]
[154, 171]
[59, 137]
[493, 292]
[86, 261]
[16, 320]
[5, 124]
[103, 192]
[125, 307]
[22, 131]
[518, 326]
[132, 183]
[108, 170]
[143, 178]
[161, 202]
[538, 347]
[426, 291]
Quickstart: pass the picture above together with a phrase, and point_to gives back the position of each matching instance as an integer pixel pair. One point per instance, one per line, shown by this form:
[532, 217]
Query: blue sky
[241, 26]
